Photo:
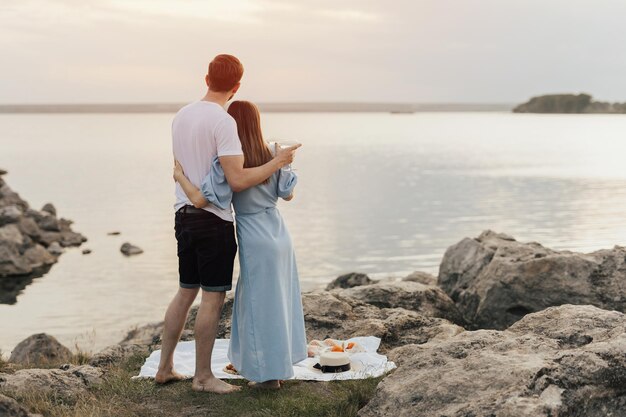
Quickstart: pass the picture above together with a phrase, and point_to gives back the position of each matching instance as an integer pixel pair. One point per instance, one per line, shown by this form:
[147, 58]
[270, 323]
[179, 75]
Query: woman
[267, 335]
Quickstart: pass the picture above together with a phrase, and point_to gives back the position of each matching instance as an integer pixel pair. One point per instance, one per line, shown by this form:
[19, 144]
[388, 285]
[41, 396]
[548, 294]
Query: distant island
[569, 103]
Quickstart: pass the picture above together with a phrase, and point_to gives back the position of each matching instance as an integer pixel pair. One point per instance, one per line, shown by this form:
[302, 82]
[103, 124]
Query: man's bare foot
[214, 385]
[165, 377]
[270, 385]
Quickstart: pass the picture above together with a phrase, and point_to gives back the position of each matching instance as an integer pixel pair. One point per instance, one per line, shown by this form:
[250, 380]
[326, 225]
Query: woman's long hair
[255, 150]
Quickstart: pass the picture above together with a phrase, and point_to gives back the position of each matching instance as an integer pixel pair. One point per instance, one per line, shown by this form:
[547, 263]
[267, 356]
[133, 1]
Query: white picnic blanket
[368, 364]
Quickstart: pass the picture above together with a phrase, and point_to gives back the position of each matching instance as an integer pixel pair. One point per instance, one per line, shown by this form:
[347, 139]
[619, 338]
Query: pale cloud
[341, 50]
[346, 14]
[237, 11]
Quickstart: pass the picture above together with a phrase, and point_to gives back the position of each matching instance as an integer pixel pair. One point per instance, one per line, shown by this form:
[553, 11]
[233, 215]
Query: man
[206, 241]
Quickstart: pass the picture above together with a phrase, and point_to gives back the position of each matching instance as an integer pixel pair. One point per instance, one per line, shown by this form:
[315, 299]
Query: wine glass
[287, 144]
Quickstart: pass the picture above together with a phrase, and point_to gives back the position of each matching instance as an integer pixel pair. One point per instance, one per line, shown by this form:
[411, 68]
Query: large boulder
[66, 383]
[353, 279]
[146, 335]
[40, 349]
[425, 299]
[331, 315]
[496, 280]
[116, 354]
[10, 408]
[563, 361]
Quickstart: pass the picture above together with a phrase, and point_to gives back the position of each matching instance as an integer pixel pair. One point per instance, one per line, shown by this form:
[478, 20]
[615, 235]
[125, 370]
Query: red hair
[248, 118]
[225, 71]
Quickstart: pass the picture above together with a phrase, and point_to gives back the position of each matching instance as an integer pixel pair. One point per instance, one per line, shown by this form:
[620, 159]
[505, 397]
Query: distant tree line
[568, 103]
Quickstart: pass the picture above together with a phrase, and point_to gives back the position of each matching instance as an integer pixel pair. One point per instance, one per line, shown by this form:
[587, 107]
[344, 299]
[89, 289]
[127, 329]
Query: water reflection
[380, 194]
[11, 287]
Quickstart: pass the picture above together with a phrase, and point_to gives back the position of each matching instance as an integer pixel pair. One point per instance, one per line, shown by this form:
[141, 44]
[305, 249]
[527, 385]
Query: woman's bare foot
[163, 377]
[214, 385]
[271, 385]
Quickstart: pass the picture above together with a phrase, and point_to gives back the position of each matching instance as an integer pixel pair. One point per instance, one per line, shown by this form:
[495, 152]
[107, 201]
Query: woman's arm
[193, 193]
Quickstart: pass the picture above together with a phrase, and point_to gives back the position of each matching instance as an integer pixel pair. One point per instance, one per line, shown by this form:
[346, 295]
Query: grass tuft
[118, 395]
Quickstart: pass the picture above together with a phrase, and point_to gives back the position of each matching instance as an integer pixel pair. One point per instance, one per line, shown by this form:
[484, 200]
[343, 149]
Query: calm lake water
[378, 193]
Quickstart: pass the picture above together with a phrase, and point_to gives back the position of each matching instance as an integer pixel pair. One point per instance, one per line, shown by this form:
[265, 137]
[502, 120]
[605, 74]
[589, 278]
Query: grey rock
[129, 250]
[48, 238]
[55, 249]
[65, 223]
[86, 251]
[37, 257]
[11, 408]
[330, 315]
[28, 226]
[49, 208]
[117, 354]
[9, 197]
[350, 280]
[425, 299]
[67, 383]
[147, 335]
[421, 277]
[34, 214]
[11, 261]
[69, 238]
[563, 361]
[40, 349]
[12, 234]
[49, 223]
[10, 214]
[495, 280]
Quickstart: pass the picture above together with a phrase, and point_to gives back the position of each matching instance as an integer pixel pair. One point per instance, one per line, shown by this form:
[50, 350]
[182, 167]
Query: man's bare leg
[207, 321]
[175, 318]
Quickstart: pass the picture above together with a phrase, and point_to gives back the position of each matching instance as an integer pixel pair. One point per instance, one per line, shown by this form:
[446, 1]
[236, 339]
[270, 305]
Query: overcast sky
[72, 51]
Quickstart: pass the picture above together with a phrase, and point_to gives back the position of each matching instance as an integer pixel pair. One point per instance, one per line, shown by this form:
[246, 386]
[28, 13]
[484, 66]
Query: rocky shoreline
[31, 241]
[506, 329]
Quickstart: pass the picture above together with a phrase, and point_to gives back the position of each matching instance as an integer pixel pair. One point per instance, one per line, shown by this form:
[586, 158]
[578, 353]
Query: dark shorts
[206, 250]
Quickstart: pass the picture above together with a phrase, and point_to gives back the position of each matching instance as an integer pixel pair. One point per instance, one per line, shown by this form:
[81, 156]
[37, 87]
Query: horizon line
[269, 107]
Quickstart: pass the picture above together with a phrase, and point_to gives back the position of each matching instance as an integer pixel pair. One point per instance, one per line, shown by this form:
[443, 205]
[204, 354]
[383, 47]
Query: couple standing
[221, 157]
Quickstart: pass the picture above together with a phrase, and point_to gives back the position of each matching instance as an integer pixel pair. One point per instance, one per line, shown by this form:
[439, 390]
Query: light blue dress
[267, 335]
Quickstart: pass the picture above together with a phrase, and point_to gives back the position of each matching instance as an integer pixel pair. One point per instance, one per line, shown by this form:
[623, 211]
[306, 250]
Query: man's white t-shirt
[200, 131]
